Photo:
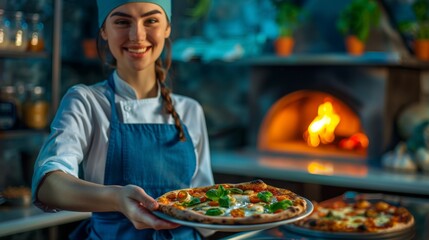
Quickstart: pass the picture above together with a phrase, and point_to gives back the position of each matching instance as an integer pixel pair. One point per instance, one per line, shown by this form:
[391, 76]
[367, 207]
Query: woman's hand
[78, 195]
[136, 205]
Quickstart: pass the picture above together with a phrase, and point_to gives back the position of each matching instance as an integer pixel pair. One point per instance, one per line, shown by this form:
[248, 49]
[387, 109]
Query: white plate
[236, 228]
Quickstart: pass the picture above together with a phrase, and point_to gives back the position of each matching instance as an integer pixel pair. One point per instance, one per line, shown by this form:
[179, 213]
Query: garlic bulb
[399, 159]
[411, 117]
[422, 159]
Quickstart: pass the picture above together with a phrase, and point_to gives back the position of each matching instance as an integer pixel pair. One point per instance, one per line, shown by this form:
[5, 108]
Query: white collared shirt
[80, 131]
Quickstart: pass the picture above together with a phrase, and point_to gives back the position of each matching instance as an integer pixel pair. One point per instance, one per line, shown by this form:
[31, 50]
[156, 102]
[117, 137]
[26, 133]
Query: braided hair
[161, 74]
[161, 70]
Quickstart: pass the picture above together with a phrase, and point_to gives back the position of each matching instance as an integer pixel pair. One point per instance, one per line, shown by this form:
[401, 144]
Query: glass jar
[19, 31]
[36, 108]
[4, 30]
[36, 41]
[9, 108]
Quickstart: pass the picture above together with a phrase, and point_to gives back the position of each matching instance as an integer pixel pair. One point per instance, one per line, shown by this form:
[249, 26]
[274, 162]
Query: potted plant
[355, 23]
[288, 19]
[419, 28]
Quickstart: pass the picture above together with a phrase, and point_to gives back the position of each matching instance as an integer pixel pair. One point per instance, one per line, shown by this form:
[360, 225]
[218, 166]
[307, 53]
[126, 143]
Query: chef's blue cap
[106, 6]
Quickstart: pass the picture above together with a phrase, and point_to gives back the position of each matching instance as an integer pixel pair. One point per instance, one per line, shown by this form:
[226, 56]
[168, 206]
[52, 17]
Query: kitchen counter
[15, 220]
[318, 171]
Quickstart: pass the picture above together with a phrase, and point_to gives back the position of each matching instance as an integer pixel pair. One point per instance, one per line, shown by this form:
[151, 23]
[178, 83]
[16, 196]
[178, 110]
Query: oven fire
[313, 122]
[322, 128]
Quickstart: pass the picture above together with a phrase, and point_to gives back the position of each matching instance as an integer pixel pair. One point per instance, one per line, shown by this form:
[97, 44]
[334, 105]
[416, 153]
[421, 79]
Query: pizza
[242, 203]
[360, 216]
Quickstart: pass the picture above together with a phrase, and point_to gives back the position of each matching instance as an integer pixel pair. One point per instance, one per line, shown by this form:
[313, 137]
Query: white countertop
[15, 220]
[318, 171]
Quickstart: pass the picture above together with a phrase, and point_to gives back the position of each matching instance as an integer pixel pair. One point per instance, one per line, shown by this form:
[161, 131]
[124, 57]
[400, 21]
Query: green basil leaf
[224, 201]
[194, 201]
[236, 190]
[212, 194]
[265, 196]
[221, 191]
[214, 212]
[279, 205]
[215, 194]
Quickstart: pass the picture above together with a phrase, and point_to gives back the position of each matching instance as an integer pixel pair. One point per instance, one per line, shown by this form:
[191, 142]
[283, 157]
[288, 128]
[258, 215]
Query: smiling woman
[136, 38]
[134, 139]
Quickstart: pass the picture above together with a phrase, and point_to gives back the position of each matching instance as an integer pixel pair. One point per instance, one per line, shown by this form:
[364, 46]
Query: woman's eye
[122, 22]
[152, 20]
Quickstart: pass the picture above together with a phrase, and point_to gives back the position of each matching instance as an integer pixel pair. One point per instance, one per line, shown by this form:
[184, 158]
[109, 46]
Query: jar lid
[35, 17]
[8, 89]
[19, 14]
[37, 90]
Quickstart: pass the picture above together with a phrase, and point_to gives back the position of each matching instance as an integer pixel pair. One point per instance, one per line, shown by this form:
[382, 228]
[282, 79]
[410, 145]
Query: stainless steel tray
[285, 233]
[406, 234]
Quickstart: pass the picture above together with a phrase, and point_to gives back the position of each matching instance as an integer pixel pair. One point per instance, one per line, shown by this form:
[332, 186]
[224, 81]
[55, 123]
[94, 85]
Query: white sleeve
[204, 174]
[70, 135]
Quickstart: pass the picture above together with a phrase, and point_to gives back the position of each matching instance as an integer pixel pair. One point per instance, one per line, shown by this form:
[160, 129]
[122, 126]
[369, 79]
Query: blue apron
[150, 156]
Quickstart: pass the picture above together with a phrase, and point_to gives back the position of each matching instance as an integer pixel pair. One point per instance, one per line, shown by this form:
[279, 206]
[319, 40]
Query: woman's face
[136, 34]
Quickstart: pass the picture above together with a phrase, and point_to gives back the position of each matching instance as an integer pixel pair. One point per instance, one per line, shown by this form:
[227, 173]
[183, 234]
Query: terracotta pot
[421, 49]
[284, 46]
[354, 46]
[90, 48]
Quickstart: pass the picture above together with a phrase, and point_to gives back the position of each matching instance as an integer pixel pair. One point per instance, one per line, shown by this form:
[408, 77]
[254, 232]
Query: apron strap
[111, 97]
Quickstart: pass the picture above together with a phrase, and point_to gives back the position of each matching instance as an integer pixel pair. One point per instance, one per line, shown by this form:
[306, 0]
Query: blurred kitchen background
[320, 118]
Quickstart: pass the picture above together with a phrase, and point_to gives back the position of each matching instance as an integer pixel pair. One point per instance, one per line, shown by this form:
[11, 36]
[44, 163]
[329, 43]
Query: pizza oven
[336, 112]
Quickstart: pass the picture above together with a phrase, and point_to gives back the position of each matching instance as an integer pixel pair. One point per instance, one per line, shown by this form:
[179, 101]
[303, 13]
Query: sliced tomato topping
[172, 196]
[254, 199]
[282, 197]
[182, 195]
[237, 212]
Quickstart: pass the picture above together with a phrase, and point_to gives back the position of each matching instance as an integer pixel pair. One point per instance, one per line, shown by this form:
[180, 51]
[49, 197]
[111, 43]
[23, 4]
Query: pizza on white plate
[252, 202]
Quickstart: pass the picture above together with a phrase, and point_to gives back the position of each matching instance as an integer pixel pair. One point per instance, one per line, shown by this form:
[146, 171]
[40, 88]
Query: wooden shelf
[26, 55]
[24, 133]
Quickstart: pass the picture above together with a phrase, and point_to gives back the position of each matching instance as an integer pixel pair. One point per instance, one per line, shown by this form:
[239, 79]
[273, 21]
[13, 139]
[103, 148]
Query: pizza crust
[299, 206]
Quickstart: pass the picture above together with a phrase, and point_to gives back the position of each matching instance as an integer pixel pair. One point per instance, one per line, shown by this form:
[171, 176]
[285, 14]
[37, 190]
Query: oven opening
[313, 123]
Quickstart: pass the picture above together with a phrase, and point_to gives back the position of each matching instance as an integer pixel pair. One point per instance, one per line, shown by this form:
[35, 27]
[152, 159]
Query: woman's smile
[137, 52]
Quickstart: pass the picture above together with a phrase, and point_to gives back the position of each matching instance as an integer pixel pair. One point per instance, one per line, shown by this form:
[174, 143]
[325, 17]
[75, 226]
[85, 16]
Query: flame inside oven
[322, 128]
[315, 123]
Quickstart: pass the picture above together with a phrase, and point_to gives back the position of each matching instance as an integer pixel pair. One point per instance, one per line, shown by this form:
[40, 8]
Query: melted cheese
[254, 208]
[357, 219]
[241, 198]
[381, 220]
[237, 201]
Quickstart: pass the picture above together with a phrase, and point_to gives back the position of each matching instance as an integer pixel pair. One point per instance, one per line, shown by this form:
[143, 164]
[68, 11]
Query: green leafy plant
[200, 10]
[288, 18]
[418, 28]
[358, 18]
